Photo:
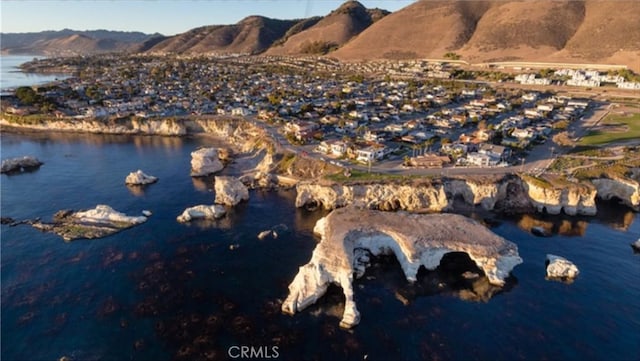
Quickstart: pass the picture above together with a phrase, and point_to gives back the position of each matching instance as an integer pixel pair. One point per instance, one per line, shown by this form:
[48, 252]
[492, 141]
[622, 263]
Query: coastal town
[382, 114]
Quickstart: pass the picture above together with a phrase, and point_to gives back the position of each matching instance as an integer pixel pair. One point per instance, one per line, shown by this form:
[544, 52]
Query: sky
[167, 17]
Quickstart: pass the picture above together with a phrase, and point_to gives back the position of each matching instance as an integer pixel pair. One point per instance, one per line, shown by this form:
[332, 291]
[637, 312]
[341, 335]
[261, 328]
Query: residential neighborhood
[412, 113]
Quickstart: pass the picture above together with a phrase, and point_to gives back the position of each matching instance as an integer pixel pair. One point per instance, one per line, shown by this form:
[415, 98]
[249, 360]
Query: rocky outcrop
[572, 199]
[383, 196]
[202, 211]
[20, 164]
[99, 222]
[139, 178]
[230, 191]
[559, 268]
[205, 161]
[510, 194]
[626, 190]
[350, 234]
[636, 245]
[133, 126]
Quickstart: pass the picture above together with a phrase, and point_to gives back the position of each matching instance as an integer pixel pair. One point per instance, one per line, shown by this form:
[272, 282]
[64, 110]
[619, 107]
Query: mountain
[329, 32]
[422, 29]
[68, 41]
[252, 34]
[548, 30]
[584, 31]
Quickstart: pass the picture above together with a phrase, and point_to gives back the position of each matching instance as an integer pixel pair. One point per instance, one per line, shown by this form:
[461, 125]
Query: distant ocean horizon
[11, 76]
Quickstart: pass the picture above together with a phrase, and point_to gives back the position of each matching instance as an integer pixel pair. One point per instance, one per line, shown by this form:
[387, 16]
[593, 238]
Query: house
[545, 107]
[496, 151]
[370, 154]
[481, 159]
[525, 133]
[337, 147]
[374, 136]
[240, 111]
[429, 160]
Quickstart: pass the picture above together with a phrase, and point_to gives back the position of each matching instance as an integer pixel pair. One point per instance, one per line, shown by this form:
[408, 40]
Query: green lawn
[599, 137]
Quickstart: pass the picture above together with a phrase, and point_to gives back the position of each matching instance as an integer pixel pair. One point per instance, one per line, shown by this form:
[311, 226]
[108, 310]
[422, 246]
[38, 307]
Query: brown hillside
[422, 29]
[72, 44]
[332, 31]
[606, 31]
[527, 24]
[251, 35]
[608, 27]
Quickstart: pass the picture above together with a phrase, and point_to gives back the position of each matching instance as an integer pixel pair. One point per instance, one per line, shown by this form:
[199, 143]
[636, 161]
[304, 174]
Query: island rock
[230, 191]
[202, 211]
[205, 161]
[139, 178]
[20, 164]
[99, 222]
[560, 268]
[415, 239]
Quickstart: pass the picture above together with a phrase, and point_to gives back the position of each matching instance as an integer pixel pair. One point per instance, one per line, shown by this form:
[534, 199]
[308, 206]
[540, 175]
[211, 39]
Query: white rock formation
[636, 245]
[202, 211]
[386, 196]
[571, 200]
[264, 234]
[230, 191]
[627, 190]
[146, 213]
[416, 240]
[205, 161]
[139, 178]
[105, 214]
[561, 268]
[20, 164]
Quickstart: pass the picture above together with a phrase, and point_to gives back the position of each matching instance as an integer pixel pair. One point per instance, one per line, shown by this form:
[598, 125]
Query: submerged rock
[20, 164]
[415, 239]
[139, 178]
[99, 222]
[560, 268]
[205, 161]
[230, 191]
[202, 211]
[540, 231]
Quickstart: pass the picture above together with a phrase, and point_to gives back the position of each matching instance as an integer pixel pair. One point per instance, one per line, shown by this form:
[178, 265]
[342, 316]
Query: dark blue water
[12, 77]
[164, 290]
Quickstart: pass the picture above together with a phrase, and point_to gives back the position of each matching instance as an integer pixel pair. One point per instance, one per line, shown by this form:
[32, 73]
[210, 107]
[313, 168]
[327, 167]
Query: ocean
[12, 77]
[165, 290]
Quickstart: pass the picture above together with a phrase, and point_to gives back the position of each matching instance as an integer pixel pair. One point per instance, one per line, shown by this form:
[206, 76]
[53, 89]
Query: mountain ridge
[578, 31]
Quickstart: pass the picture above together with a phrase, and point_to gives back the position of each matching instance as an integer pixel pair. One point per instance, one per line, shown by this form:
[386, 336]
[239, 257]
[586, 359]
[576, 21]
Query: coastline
[511, 193]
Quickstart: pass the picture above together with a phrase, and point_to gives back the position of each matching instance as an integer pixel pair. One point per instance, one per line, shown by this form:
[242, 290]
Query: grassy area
[613, 170]
[537, 181]
[628, 128]
[358, 176]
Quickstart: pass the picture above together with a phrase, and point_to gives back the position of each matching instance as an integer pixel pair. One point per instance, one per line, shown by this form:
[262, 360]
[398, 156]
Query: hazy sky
[163, 16]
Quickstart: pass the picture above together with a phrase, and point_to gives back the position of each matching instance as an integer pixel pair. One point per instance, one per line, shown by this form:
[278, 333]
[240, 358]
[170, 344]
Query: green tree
[27, 95]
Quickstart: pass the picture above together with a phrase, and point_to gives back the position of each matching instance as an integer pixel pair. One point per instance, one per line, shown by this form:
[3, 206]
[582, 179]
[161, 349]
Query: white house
[240, 111]
[370, 154]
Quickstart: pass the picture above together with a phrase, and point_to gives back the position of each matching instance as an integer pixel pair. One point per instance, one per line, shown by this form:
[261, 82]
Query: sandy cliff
[510, 193]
